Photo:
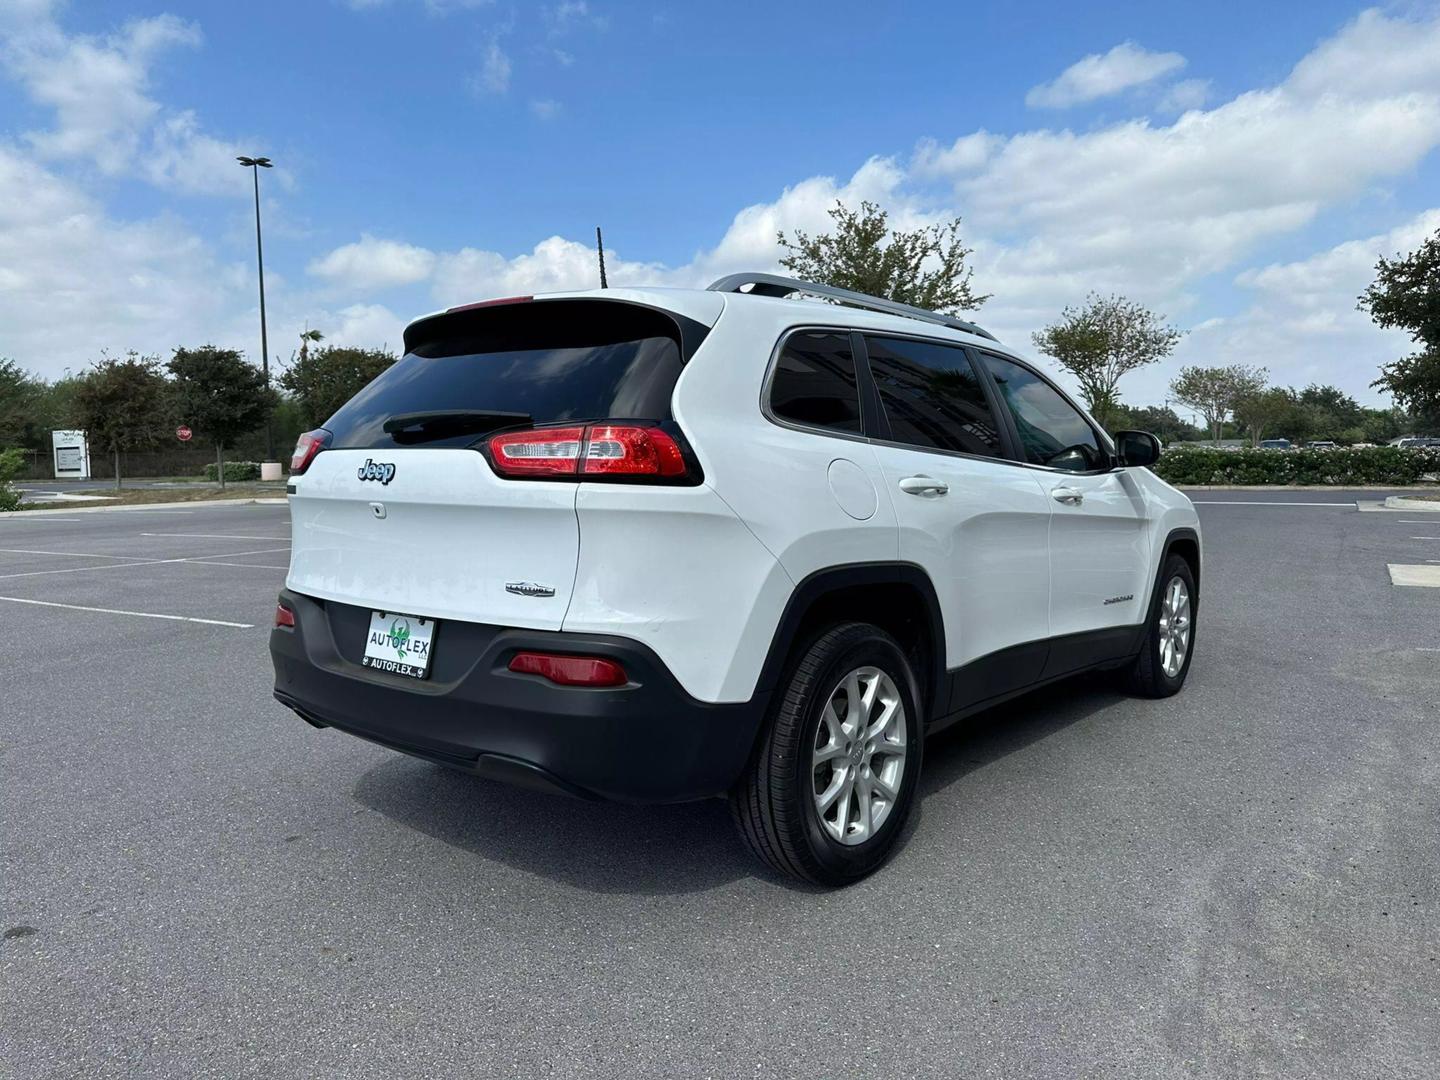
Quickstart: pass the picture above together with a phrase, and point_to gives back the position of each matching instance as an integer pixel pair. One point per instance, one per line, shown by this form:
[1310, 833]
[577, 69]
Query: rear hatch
[406, 510]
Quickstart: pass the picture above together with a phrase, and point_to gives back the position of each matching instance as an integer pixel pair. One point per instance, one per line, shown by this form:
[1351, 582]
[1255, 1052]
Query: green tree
[1263, 409]
[1161, 421]
[1335, 409]
[1213, 391]
[219, 395]
[11, 462]
[1405, 295]
[21, 414]
[925, 267]
[325, 379]
[122, 404]
[1101, 342]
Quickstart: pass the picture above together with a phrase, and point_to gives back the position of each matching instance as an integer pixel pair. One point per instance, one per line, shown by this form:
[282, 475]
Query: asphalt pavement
[1241, 881]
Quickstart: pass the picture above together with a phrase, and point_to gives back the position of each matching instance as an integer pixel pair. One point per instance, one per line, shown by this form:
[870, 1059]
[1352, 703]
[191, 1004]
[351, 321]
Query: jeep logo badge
[376, 470]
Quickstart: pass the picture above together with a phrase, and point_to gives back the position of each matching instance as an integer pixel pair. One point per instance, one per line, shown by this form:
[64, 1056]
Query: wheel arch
[1184, 542]
[899, 597]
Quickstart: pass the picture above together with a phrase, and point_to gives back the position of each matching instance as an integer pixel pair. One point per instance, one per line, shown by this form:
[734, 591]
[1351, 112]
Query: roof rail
[775, 285]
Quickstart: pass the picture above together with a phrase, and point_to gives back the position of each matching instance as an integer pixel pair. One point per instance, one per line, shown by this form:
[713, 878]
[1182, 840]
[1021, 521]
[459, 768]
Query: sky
[1237, 168]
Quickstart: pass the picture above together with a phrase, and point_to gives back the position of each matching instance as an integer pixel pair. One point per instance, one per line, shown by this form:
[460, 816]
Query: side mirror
[1137, 448]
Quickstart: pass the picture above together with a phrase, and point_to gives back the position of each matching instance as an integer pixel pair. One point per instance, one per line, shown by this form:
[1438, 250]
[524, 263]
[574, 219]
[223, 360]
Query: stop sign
[183, 433]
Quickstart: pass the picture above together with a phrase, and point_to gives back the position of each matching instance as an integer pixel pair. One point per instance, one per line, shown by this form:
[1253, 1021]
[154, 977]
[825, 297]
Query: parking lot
[1243, 880]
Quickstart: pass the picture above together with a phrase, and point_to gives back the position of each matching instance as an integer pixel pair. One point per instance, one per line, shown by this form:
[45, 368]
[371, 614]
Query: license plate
[399, 644]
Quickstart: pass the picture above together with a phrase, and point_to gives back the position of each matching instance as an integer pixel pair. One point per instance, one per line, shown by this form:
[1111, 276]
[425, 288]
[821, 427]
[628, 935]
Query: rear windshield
[475, 372]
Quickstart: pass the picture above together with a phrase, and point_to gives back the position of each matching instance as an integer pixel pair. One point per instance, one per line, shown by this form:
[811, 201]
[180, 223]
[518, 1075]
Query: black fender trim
[1182, 533]
[835, 578]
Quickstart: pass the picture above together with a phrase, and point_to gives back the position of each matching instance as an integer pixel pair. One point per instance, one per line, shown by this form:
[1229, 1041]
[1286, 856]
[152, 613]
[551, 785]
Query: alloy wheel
[1174, 627]
[858, 760]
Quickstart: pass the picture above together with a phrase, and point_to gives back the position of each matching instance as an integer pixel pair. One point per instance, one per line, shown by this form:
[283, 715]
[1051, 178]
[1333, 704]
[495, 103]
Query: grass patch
[141, 496]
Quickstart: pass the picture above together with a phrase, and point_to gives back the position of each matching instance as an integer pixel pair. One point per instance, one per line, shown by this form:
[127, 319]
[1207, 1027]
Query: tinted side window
[814, 382]
[1052, 432]
[932, 396]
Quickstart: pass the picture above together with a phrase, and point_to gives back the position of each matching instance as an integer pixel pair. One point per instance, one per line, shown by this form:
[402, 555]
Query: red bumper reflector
[570, 670]
[284, 616]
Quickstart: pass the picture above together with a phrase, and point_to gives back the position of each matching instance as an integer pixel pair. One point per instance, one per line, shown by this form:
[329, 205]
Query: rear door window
[1052, 431]
[545, 362]
[814, 382]
[933, 396]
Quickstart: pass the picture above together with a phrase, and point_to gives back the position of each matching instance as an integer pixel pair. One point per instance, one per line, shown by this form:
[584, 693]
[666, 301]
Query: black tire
[1146, 676]
[774, 802]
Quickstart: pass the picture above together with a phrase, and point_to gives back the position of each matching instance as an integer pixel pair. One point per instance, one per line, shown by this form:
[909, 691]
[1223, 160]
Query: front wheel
[829, 788]
[1164, 660]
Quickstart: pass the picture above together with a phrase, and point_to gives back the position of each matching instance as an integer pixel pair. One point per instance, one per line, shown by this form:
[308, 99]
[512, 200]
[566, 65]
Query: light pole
[255, 164]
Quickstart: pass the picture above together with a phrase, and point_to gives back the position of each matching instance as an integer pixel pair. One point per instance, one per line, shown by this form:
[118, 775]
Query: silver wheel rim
[858, 760]
[1174, 627]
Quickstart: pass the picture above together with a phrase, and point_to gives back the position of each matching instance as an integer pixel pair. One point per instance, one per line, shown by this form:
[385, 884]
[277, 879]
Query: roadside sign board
[72, 455]
[183, 433]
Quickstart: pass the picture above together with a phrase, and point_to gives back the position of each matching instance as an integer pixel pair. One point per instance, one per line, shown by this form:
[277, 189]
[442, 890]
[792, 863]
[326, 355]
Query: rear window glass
[539, 363]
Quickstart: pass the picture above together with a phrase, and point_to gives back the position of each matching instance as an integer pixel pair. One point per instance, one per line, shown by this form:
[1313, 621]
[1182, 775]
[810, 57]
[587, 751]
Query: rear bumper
[648, 741]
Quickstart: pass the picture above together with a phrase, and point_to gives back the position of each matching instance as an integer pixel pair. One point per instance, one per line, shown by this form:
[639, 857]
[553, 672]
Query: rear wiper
[442, 423]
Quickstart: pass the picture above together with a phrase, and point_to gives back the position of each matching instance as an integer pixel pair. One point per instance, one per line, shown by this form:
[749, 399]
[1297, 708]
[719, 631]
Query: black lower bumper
[647, 741]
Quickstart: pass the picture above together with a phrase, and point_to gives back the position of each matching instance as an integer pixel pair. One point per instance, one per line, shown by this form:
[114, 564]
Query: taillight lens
[570, 670]
[306, 447]
[284, 616]
[542, 451]
[632, 451]
[596, 450]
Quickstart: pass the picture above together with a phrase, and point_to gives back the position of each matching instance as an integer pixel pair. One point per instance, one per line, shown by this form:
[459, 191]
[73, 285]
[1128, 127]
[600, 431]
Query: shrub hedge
[235, 470]
[1385, 465]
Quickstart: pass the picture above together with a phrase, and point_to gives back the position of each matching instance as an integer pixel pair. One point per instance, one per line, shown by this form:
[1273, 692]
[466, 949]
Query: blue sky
[1237, 169]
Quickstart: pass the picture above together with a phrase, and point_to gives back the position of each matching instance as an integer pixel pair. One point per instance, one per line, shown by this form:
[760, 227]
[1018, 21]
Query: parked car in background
[1321, 444]
[1415, 442]
[1275, 444]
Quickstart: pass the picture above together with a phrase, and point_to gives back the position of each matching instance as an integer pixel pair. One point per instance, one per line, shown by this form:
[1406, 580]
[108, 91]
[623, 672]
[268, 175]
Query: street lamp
[255, 164]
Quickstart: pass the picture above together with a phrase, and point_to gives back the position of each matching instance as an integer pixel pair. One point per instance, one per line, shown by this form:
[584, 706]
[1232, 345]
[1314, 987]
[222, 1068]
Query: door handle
[924, 485]
[1068, 495]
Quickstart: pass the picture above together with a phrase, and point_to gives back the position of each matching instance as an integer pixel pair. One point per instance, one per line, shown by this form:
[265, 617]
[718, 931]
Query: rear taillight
[601, 451]
[570, 670]
[543, 451]
[306, 447]
[284, 616]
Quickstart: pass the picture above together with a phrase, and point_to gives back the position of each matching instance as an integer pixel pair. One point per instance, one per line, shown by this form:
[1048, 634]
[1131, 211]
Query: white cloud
[494, 74]
[545, 109]
[77, 283]
[1185, 95]
[1303, 323]
[98, 87]
[370, 264]
[1101, 75]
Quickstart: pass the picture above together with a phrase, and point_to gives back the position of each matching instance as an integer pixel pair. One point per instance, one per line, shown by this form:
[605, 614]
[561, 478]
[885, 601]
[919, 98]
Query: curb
[148, 506]
[1400, 502]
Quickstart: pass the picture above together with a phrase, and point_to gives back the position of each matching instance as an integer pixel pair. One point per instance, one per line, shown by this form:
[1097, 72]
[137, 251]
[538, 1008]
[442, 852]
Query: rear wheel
[833, 780]
[1164, 660]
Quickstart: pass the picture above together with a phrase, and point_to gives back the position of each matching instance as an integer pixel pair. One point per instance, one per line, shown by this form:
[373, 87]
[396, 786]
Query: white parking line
[73, 554]
[120, 611]
[144, 562]
[1425, 538]
[82, 569]
[254, 566]
[1262, 502]
[220, 536]
[41, 519]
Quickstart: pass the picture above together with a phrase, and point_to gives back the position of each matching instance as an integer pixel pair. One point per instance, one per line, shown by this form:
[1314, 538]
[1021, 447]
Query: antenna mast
[600, 250]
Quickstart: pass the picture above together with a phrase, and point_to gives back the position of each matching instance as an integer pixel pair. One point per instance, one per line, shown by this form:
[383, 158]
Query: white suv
[655, 545]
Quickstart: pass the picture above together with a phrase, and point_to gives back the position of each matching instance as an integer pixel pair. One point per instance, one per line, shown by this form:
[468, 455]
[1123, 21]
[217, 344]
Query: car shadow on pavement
[676, 849]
